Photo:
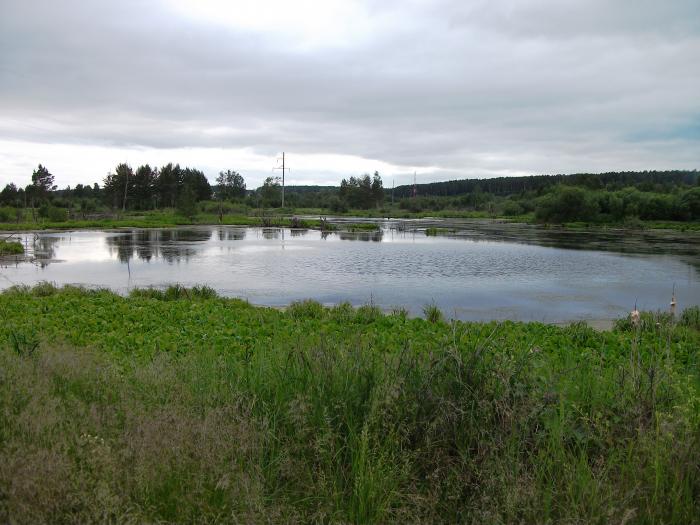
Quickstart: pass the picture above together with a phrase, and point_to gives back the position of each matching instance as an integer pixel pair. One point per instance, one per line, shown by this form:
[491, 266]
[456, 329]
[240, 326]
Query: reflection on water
[170, 245]
[480, 270]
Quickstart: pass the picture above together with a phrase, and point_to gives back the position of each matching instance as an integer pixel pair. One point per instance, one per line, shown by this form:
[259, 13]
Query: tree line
[607, 197]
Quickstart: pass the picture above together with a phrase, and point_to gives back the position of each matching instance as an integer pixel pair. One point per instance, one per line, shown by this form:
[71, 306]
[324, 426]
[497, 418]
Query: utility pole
[283, 169]
[392, 192]
[415, 190]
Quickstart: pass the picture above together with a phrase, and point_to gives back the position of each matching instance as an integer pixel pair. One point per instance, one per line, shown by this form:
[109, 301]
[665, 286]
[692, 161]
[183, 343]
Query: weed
[433, 314]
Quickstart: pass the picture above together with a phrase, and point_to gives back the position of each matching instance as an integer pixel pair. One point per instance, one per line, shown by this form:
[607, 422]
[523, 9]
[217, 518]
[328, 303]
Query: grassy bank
[11, 248]
[285, 217]
[179, 406]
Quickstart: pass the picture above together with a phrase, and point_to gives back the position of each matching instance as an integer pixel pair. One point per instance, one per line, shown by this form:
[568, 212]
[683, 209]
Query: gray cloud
[466, 88]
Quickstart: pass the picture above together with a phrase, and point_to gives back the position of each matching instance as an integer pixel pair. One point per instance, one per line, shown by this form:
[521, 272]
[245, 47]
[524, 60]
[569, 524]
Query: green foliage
[7, 214]
[567, 204]
[11, 248]
[42, 182]
[53, 213]
[213, 410]
[230, 185]
[187, 202]
[362, 192]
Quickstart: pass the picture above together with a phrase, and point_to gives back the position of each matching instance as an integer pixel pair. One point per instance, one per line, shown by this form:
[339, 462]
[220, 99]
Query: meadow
[180, 406]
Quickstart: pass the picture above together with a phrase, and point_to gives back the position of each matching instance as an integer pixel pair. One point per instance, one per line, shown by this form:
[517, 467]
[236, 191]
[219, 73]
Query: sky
[445, 89]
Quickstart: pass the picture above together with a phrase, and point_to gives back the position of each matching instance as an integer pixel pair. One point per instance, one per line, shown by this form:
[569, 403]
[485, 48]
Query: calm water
[482, 271]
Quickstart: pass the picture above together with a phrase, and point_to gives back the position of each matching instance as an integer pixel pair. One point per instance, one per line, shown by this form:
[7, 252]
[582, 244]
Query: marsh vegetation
[177, 405]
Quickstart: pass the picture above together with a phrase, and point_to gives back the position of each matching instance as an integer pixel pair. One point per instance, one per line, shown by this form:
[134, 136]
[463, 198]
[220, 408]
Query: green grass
[11, 248]
[180, 406]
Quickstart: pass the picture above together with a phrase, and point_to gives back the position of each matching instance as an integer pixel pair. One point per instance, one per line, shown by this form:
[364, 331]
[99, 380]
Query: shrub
[6, 214]
[57, 214]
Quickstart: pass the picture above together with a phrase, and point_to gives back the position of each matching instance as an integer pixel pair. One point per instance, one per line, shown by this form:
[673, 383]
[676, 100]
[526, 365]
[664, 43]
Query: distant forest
[589, 197]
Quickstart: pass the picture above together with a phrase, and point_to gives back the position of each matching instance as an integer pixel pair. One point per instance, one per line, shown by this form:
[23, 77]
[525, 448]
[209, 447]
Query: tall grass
[211, 410]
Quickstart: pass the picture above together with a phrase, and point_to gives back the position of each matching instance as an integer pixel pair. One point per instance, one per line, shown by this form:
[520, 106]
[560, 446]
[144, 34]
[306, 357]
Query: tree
[271, 191]
[187, 202]
[9, 195]
[119, 185]
[357, 192]
[230, 185]
[168, 184]
[196, 180]
[43, 183]
[377, 190]
[690, 202]
[144, 187]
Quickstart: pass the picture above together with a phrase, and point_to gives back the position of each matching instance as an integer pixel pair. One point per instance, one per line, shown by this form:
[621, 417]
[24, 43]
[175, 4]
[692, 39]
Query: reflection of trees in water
[271, 233]
[45, 249]
[170, 245]
[298, 232]
[230, 234]
[361, 236]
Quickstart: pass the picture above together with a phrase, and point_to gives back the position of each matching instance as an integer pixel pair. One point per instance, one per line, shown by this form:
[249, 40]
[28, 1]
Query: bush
[7, 214]
[57, 214]
[567, 204]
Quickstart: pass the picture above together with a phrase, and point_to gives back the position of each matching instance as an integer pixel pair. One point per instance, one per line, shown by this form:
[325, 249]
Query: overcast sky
[447, 88]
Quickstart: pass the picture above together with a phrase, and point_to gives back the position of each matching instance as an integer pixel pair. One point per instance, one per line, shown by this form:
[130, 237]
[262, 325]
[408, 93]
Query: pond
[479, 270]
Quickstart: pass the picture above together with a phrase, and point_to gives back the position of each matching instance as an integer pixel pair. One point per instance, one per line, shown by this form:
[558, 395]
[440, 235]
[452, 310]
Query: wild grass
[11, 248]
[432, 313]
[202, 409]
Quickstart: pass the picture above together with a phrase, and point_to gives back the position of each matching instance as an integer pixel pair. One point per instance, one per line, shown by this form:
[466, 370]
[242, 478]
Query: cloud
[446, 88]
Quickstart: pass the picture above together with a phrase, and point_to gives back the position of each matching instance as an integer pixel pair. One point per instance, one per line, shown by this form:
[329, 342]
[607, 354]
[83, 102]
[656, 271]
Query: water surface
[482, 271]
